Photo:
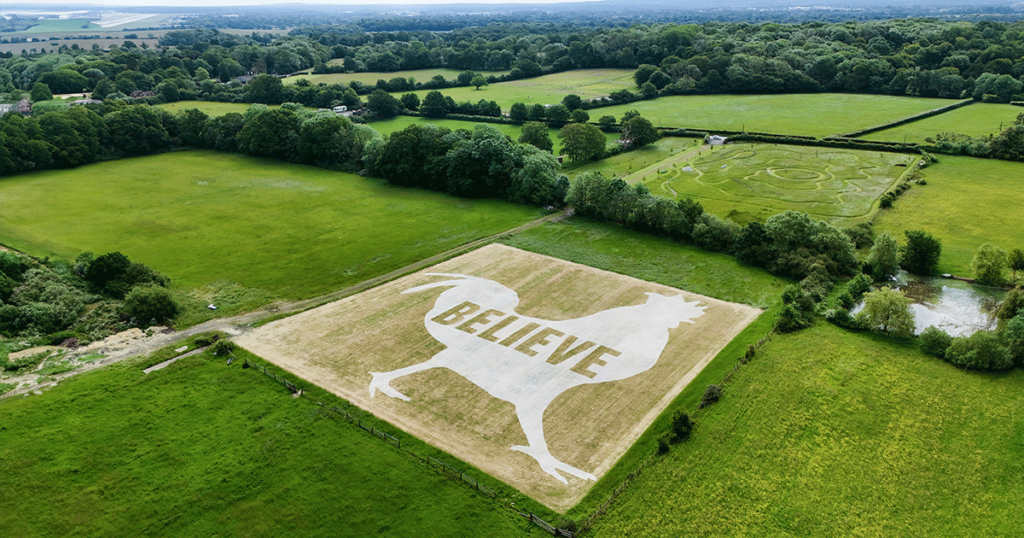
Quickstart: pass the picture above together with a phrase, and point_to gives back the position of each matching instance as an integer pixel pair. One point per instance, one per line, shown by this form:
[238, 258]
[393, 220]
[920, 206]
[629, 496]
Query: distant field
[831, 433]
[369, 78]
[204, 449]
[967, 202]
[211, 108]
[387, 127]
[64, 25]
[746, 182]
[815, 114]
[977, 120]
[82, 43]
[206, 218]
[546, 89]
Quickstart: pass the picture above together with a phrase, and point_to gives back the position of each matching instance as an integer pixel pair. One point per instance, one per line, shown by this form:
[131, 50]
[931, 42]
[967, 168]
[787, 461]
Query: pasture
[386, 127]
[545, 89]
[977, 120]
[814, 114]
[49, 26]
[395, 351]
[215, 221]
[371, 78]
[204, 449]
[210, 108]
[747, 182]
[831, 433]
[967, 202]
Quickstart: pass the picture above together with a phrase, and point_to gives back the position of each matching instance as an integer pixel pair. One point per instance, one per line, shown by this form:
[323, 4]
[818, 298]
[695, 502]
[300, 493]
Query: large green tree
[921, 253]
[581, 141]
[271, 133]
[266, 89]
[638, 132]
[989, 264]
[887, 310]
[884, 258]
[535, 133]
[434, 105]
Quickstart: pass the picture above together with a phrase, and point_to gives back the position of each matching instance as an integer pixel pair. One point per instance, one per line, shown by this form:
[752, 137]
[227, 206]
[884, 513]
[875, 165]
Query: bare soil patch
[587, 426]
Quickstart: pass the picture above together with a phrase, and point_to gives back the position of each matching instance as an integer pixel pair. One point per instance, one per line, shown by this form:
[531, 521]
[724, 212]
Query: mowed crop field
[473, 397]
[545, 89]
[966, 203]
[204, 217]
[831, 433]
[747, 182]
[386, 127]
[204, 449]
[977, 120]
[371, 78]
[813, 114]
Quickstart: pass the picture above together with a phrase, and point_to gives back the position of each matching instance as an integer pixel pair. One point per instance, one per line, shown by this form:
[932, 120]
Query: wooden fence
[431, 461]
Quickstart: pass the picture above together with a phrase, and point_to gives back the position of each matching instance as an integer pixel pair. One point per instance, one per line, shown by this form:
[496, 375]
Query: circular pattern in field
[797, 174]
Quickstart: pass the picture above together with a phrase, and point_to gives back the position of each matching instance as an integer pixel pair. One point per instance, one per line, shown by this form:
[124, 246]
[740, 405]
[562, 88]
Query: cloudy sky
[181, 3]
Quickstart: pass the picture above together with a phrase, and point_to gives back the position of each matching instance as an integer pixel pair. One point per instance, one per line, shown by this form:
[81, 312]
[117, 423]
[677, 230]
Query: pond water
[957, 307]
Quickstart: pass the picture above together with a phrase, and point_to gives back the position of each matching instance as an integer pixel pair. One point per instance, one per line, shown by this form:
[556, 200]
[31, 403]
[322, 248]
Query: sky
[197, 3]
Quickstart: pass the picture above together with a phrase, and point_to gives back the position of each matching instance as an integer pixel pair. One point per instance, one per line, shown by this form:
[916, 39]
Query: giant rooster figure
[529, 362]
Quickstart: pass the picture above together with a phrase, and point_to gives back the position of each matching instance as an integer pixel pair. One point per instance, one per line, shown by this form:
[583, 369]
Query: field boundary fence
[444, 468]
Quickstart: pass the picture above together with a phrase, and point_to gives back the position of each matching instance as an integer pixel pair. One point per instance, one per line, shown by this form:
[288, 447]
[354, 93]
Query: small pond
[957, 307]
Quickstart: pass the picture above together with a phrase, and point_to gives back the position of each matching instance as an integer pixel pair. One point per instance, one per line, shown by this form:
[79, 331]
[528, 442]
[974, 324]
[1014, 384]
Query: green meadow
[814, 114]
[211, 108]
[831, 433]
[205, 449]
[966, 203]
[546, 89]
[63, 25]
[747, 182]
[371, 78]
[386, 127]
[977, 120]
[227, 220]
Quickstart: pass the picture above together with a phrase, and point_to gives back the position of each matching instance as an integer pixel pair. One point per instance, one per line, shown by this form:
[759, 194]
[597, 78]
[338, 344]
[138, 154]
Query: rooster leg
[382, 380]
[532, 422]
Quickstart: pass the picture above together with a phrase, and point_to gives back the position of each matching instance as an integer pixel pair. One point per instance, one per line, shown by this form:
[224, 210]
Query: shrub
[681, 427]
[846, 300]
[663, 444]
[842, 318]
[981, 351]
[935, 341]
[859, 285]
[222, 347]
[711, 395]
[149, 303]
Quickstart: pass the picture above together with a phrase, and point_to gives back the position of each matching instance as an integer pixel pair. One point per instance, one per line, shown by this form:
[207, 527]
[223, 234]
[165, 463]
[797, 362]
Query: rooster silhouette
[529, 362]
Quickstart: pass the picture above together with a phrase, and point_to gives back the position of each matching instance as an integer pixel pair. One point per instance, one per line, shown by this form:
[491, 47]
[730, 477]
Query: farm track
[242, 323]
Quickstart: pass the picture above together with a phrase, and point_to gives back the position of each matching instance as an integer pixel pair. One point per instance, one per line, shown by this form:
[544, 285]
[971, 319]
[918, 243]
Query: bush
[859, 285]
[222, 347]
[681, 427]
[980, 351]
[148, 303]
[663, 444]
[842, 318]
[791, 319]
[711, 395]
[935, 341]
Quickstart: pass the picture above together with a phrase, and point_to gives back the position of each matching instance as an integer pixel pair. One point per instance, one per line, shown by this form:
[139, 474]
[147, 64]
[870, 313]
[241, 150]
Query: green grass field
[211, 108]
[816, 114]
[204, 449]
[747, 182]
[546, 89]
[214, 219]
[829, 433]
[967, 202]
[370, 79]
[387, 127]
[64, 25]
[977, 120]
